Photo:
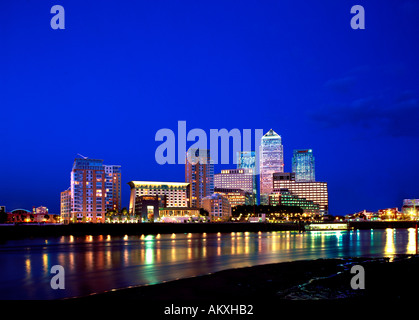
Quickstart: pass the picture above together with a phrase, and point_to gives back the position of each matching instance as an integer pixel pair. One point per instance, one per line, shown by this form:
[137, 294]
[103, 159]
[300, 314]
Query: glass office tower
[271, 160]
[303, 165]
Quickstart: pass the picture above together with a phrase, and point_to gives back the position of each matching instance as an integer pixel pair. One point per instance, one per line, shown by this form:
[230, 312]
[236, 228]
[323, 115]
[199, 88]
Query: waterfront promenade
[25, 231]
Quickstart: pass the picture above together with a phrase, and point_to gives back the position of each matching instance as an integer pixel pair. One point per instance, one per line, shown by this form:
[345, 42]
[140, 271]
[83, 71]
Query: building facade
[170, 194]
[147, 208]
[317, 192]
[236, 197]
[242, 179]
[303, 165]
[95, 188]
[199, 174]
[181, 215]
[286, 198]
[271, 160]
[218, 207]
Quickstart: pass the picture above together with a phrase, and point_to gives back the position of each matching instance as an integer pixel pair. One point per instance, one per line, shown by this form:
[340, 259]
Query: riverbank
[25, 231]
[386, 280]
[28, 231]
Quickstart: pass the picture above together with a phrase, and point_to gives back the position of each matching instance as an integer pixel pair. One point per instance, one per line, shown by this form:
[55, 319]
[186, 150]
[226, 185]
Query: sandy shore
[310, 280]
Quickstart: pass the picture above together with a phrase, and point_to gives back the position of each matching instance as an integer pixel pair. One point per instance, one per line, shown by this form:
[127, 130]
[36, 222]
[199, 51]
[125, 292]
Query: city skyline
[350, 95]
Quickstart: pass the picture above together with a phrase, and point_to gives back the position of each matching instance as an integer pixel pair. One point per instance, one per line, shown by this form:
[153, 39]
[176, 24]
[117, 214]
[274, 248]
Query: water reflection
[101, 263]
[389, 247]
[411, 244]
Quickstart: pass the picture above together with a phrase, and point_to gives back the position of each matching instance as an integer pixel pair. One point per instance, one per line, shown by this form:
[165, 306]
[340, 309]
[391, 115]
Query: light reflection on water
[101, 263]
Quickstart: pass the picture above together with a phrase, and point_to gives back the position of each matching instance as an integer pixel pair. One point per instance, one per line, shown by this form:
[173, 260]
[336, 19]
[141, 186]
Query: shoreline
[386, 279]
[28, 231]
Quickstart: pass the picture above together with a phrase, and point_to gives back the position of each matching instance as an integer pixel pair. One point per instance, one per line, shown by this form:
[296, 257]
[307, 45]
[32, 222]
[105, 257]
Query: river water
[94, 264]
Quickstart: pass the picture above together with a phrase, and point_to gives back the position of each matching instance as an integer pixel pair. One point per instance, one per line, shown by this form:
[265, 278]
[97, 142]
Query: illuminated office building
[303, 165]
[236, 197]
[271, 161]
[199, 173]
[286, 198]
[169, 194]
[242, 179]
[316, 192]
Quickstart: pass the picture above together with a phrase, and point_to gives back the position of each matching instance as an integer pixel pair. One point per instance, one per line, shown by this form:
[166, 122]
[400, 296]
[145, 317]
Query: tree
[203, 212]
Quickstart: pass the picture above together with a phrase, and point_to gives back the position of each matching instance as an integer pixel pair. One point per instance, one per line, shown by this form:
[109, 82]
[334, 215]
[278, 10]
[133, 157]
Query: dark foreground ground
[300, 288]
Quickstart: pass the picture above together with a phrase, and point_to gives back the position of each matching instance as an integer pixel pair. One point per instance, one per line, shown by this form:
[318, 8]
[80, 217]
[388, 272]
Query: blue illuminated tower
[303, 165]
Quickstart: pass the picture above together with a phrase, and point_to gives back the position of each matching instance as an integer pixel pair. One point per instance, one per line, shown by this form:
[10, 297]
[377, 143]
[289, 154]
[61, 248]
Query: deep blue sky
[121, 71]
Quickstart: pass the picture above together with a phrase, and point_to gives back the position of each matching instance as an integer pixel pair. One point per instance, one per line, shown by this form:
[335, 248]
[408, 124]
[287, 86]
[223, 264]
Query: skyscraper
[88, 191]
[271, 161]
[303, 165]
[199, 173]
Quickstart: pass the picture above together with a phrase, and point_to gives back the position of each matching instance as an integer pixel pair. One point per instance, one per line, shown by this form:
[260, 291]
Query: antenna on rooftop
[82, 156]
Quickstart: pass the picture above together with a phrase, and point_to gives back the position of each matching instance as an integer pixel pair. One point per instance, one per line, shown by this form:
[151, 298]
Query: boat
[330, 226]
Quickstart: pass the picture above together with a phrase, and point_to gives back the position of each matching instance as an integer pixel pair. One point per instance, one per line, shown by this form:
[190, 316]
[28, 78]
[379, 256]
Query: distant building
[236, 197]
[170, 194]
[218, 207]
[242, 179]
[36, 216]
[411, 208]
[40, 210]
[199, 173]
[389, 214]
[285, 198]
[303, 165]
[271, 161]
[317, 192]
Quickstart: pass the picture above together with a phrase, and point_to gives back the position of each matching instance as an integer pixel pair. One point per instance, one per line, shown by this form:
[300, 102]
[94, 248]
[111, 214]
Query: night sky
[120, 71]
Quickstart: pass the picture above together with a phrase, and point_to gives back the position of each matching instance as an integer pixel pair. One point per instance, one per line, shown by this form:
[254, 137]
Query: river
[94, 264]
